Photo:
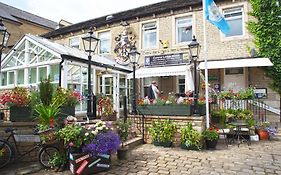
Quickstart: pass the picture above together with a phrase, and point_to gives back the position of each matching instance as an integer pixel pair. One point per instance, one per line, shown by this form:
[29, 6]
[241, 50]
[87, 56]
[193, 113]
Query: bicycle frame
[15, 150]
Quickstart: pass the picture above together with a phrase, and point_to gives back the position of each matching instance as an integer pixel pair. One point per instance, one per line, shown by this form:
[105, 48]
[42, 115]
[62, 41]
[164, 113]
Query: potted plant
[18, 100]
[190, 138]
[211, 137]
[264, 130]
[123, 127]
[105, 109]
[154, 131]
[167, 132]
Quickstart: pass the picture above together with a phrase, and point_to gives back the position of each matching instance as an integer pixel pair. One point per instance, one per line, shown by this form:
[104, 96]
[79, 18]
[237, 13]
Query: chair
[223, 132]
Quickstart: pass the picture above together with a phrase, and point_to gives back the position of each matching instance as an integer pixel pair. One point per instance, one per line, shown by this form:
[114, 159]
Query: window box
[20, 113]
[165, 110]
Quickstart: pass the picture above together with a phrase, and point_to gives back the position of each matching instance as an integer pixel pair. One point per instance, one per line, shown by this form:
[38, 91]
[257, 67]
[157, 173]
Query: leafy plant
[67, 97]
[266, 31]
[167, 131]
[71, 133]
[190, 136]
[123, 129]
[155, 130]
[46, 90]
[58, 159]
[211, 134]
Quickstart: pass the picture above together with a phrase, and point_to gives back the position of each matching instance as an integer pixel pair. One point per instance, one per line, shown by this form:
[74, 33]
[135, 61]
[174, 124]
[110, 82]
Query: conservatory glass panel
[4, 78]
[32, 75]
[42, 73]
[54, 72]
[11, 77]
[20, 76]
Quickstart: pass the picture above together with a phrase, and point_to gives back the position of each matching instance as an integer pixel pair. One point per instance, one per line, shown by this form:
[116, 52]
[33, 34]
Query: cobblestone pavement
[262, 157]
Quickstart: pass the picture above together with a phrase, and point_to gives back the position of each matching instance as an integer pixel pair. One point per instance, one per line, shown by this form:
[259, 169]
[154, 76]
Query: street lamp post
[134, 58]
[194, 49]
[90, 43]
[4, 37]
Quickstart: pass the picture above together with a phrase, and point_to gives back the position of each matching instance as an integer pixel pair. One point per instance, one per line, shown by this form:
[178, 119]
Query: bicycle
[10, 153]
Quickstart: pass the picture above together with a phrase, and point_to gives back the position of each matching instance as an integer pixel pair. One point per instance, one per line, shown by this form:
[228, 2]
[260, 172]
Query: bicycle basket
[48, 136]
[27, 138]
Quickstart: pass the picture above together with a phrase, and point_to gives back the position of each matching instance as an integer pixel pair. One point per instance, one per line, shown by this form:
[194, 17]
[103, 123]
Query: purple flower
[104, 143]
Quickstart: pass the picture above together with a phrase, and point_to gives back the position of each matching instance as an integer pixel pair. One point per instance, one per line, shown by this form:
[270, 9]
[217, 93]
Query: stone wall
[180, 121]
[22, 128]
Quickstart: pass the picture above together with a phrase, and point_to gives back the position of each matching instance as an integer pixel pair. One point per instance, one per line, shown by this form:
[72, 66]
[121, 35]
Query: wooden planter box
[85, 164]
[165, 110]
[20, 113]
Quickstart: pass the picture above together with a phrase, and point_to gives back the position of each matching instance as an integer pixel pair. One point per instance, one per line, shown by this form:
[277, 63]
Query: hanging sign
[167, 59]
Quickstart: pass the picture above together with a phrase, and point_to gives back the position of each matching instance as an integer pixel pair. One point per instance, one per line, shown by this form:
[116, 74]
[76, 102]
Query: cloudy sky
[75, 10]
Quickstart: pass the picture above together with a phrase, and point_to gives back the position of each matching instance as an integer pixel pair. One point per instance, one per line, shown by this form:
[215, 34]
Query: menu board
[167, 59]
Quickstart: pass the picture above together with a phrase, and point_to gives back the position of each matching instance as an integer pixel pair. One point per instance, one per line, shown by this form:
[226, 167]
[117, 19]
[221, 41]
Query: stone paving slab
[262, 157]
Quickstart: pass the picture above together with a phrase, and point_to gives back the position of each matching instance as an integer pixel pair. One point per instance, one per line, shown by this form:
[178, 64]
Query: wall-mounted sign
[260, 92]
[167, 59]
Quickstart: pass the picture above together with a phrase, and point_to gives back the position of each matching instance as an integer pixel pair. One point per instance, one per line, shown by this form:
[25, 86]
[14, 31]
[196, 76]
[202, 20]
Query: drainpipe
[61, 62]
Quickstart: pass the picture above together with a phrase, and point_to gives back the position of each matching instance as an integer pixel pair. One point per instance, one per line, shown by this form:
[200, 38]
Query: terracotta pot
[263, 134]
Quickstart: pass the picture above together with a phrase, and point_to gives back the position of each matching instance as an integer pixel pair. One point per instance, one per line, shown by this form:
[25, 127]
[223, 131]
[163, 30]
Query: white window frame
[175, 27]
[100, 33]
[76, 43]
[244, 8]
[8, 77]
[142, 34]
[38, 75]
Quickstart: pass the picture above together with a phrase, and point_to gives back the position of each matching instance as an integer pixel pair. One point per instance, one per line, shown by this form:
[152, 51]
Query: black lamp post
[4, 37]
[90, 43]
[194, 49]
[134, 58]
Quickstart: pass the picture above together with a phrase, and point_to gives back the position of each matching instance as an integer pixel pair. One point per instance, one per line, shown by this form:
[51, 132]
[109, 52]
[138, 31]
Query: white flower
[86, 134]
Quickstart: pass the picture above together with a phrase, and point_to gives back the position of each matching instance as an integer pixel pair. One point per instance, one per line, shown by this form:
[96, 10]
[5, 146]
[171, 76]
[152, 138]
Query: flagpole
[205, 54]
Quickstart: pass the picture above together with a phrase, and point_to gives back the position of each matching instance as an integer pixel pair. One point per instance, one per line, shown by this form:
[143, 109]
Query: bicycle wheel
[5, 153]
[46, 154]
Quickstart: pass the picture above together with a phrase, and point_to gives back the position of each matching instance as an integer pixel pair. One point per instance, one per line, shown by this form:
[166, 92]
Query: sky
[76, 10]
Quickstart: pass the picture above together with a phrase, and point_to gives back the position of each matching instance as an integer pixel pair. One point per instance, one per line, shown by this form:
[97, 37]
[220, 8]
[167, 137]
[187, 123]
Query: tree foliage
[266, 29]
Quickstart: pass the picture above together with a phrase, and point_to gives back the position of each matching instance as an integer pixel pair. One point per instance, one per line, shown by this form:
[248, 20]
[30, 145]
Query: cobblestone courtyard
[262, 157]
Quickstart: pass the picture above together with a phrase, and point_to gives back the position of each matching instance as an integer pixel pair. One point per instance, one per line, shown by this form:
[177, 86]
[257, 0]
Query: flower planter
[85, 164]
[202, 109]
[111, 117]
[64, 112]
[263, 134]
[166, 144]
[20, 113]
[211, 144]
[165, 110]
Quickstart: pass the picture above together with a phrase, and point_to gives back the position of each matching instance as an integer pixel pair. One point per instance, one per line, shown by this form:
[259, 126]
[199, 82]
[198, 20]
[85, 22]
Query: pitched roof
[14, 14]
[161, 7]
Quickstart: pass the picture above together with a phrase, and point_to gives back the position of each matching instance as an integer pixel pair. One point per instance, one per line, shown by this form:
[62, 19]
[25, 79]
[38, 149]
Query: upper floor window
[234, 17]
[149, 37]
[183, 29]
[104, 42]
[74, 42]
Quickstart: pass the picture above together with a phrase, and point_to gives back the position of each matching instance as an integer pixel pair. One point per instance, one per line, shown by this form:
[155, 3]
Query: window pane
[104, 42]
[235, 21]
[4, 78]
[42, 73]
[32, 75]
[20, 77]
[235, 27]
[149, 35]
[54, 72]
[11, 77]
[74, 42]
[183, 29]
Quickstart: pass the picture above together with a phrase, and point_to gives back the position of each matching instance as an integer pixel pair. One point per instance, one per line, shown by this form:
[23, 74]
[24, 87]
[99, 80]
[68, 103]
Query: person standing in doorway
[153, 92]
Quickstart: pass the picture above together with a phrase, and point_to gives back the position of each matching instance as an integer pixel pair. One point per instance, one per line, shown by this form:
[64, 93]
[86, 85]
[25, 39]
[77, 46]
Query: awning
[160, 71]
[248, 62]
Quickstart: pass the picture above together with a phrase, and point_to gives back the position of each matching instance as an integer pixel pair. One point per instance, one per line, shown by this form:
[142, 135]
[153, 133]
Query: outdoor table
[239, 133]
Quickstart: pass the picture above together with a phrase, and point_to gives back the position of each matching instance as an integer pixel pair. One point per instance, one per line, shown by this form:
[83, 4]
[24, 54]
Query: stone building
[161, 33]
[19, 23]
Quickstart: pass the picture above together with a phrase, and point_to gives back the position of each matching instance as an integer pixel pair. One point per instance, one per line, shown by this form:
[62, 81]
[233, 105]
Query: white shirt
[155, 91]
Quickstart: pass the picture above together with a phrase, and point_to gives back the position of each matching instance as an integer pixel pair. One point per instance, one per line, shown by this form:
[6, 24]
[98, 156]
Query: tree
[266, 29]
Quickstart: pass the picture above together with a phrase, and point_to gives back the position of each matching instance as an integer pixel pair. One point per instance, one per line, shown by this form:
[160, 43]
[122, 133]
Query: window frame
[101, 39]
[142, 34]
[75, 44]
[244, 9]
[181, 18]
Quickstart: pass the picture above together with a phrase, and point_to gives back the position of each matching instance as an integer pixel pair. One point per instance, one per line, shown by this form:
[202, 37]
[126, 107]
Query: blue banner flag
[215, 17]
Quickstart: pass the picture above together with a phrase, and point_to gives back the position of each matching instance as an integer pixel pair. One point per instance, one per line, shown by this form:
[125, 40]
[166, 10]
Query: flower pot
[156, 143]
[20, 113]
[166, 144]
[122, 153]
[263, 134]
[211, 144]
[165, 110]
[190, 147]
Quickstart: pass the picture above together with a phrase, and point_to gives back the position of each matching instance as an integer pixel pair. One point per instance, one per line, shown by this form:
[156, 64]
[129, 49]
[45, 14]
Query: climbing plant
[266, 29]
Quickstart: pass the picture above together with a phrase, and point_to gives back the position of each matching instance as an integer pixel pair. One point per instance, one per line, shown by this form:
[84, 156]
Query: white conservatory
[34, 58]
